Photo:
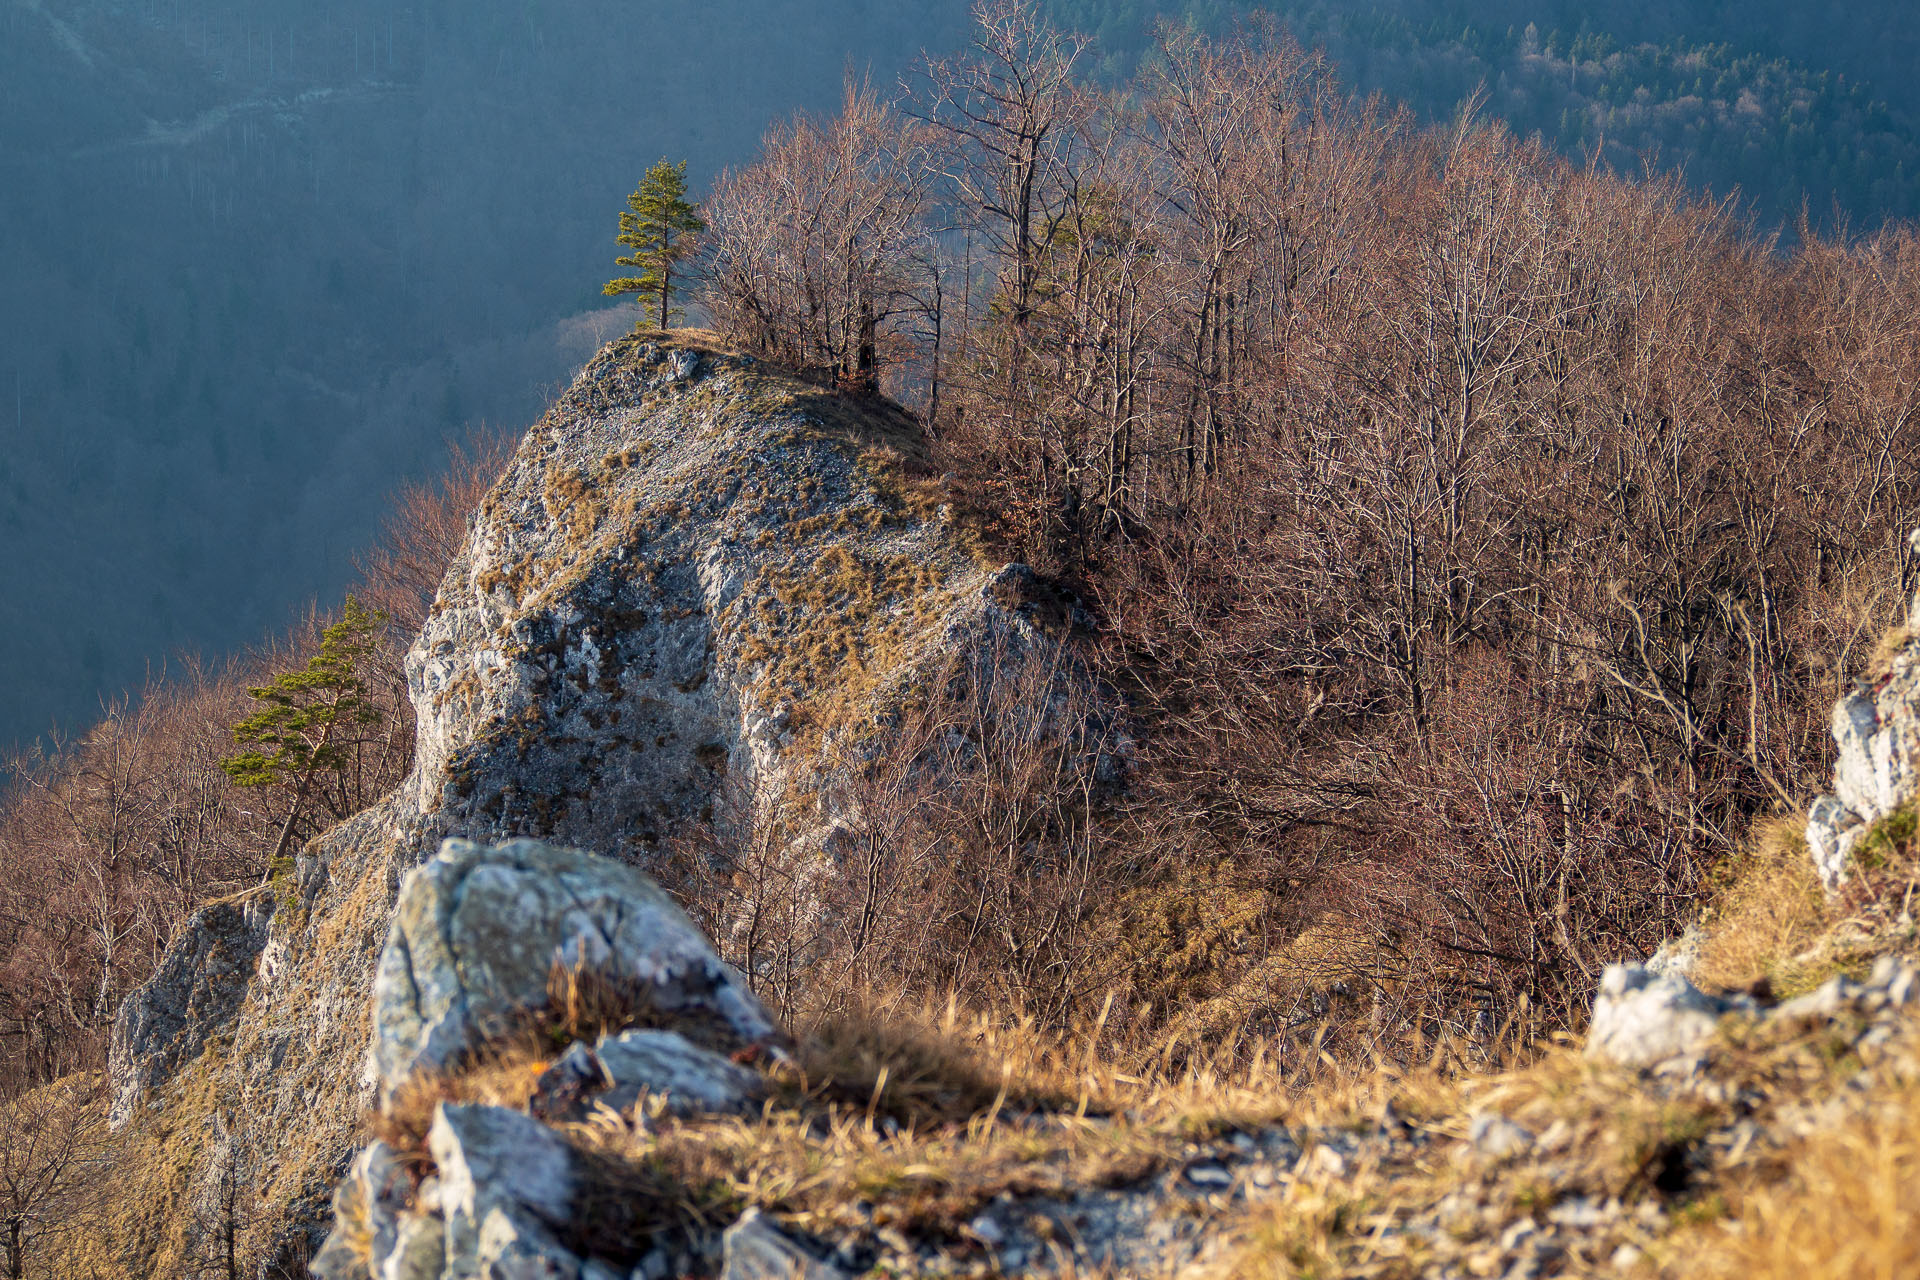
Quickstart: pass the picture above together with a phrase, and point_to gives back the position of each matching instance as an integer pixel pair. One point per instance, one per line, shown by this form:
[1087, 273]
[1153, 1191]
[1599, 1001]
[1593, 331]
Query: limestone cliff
[696, 570]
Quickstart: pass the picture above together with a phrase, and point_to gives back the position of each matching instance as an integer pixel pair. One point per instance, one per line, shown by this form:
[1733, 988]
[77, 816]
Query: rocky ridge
[702, 587]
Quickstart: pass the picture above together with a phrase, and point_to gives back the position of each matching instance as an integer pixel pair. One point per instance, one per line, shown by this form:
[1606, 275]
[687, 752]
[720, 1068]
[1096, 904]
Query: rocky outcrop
[1642, 1019]
[701, 586]
[477, 934]
[198, 990]
[1876, 773]
[663, 1065]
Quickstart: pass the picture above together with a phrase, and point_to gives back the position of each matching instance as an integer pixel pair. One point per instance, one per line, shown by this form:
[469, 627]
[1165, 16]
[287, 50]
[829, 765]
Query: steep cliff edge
[698, 576]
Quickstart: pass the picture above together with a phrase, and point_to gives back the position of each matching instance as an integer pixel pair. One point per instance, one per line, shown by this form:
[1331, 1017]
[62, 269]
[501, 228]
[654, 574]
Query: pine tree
[304, 729]
[659, 226]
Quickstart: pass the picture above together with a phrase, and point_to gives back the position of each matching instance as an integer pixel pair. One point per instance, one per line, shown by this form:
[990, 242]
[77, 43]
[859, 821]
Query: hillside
[204, 410]
[562, 1070]
[1194, 676]
[638, 638]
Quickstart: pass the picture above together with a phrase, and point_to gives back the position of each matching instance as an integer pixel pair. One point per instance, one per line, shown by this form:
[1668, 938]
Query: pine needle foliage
[307, 715]
[659, 225]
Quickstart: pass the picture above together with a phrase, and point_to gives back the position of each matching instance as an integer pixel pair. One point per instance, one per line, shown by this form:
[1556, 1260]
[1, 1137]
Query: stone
[371, 1200]
[477, 931]
[1492, 1134]
[687, 1079]
[506, 1182]
[1876, 770]
[1641, 1018]
[1679, 955]
[755, 1249]
[198, 989]
[1832, 830]
[665, 1063]
[488, 1155]
[1825, 1002]
[505, 1245]
[419, 1250]
[1208, 1174]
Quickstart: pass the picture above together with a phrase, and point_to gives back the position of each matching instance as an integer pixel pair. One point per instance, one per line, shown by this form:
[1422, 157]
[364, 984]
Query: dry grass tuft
[1769, 911]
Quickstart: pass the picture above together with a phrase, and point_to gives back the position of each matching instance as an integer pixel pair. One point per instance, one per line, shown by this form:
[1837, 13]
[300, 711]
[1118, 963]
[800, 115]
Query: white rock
[1492, 1134]
[1640, 1018]
[491, 1155]
[477, 931]
[666, 1063]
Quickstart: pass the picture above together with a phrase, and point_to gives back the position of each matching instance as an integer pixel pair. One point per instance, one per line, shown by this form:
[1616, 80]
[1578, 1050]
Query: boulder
[1640, 1017]
[688, 1079]
[477, 931]
[198, 989]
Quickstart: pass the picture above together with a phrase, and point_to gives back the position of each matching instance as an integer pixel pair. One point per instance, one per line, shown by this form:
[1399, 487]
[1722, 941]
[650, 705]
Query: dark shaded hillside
[263, 258]
[1780, 101]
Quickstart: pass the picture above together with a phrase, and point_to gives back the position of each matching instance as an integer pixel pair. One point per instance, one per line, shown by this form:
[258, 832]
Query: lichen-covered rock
[1640, 1017]
[695, 569]
[477, 931]
[368, 1206]
[491, 1155]
[198, 989]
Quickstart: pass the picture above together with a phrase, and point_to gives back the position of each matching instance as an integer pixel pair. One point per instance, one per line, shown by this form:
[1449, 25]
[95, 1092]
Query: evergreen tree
[659, 226]
[304, 728]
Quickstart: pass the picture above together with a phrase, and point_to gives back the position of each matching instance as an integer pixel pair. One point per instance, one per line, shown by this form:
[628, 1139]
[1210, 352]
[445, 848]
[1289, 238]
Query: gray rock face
[1640, 1018]
[693, 571]
[477, 931]
[1877, 770]
[199, 988]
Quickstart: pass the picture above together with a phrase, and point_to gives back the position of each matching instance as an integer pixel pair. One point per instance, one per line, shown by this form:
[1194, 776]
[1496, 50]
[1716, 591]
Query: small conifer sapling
[307, 717]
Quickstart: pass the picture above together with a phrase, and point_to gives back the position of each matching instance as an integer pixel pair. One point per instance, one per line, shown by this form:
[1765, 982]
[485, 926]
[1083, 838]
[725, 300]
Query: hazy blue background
[259, 259]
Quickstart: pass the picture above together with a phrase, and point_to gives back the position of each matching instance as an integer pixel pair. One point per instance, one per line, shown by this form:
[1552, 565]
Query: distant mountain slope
[262, 258]
[1779, 101]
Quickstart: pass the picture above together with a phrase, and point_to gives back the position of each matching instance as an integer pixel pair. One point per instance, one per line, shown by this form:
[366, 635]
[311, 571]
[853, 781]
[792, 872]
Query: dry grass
[919, 1122]
[583, 1004]
[1839, 1203]
[1769, 913]
[1849, 1209]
